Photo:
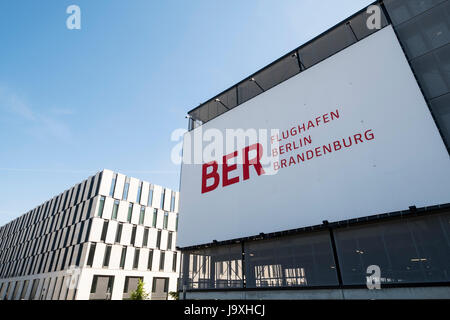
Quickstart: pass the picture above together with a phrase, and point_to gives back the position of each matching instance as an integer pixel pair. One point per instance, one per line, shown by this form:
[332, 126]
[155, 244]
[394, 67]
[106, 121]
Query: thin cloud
[40, 125]
[63, 111]
[14, 104]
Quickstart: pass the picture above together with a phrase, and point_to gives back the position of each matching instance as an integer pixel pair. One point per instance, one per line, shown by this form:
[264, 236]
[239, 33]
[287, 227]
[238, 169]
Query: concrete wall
[336, 294]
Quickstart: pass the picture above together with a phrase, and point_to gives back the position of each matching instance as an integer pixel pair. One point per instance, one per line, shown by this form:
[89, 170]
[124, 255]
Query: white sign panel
[350, 137]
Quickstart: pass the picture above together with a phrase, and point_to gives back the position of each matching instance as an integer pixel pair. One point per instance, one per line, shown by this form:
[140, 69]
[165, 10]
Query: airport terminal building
[94, 241]
[348, 194]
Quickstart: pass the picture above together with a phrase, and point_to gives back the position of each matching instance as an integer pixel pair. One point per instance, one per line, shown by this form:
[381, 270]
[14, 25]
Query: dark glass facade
[413, 250]
[409, 249]
[423, 29]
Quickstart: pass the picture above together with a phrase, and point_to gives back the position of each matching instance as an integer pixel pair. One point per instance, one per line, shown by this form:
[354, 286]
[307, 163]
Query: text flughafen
[280, 147]
[304, 141]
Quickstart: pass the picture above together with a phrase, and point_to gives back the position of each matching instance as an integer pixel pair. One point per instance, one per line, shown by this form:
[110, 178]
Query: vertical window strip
[91, 255]
[142, 215]
[150, 260]
[115, 209]
[123, 257]
[145, 240]
[162, 261]
[155, 217]
[130, 212]
[113, 185]
[101, 206]
[166, 220]
[139, 193]
[126, 187]
[150, 196]
[119, 233]
[107, 256]
[136, 258]
[104, 231]
[174, 262]
[163, 196]
[172, 202]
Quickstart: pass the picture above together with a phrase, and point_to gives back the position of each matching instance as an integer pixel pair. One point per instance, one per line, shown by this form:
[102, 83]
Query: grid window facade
[85, 226]
[46, 238]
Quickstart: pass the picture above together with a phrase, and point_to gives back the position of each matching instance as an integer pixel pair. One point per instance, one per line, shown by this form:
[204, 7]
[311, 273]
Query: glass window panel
[278, 72]
[101, 205]
[213, 108]
[91, 255]
[327, 45]
[34, 288]
[113, 185]
[426, 32]
[123, 257]
[115, 210]
[158, 240]
[107, 256]
[407, 251]
[169, 241]
[204, 113]
[162, 261]
[228, 98]
[150, 260]
[138, 198]
[133, 236]
[24, 290]
[247, 90]
[403, 10]
[163, 197]
[150, 197]
[142, 215]
[94, 284]
[303, 260]
[215, 267]
[433, 72]
[130, 212]
[145, 239]
[155, 217]
[119, 233]
[174, 262]
[441, 111]
[172, 202]
[104, 231]
[432, 239]
[136, 258]
[126, 187]
[166, 220]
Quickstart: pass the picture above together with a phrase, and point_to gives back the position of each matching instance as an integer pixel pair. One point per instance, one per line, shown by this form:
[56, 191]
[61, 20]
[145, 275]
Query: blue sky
[73, 102]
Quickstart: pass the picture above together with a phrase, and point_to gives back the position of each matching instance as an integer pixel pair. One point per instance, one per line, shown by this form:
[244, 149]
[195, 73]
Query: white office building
[93, 241]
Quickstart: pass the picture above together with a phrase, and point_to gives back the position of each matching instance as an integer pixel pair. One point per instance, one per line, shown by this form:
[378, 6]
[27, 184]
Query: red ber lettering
[227, 168]
[213, 167]
[212, 175]
[254, 162]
